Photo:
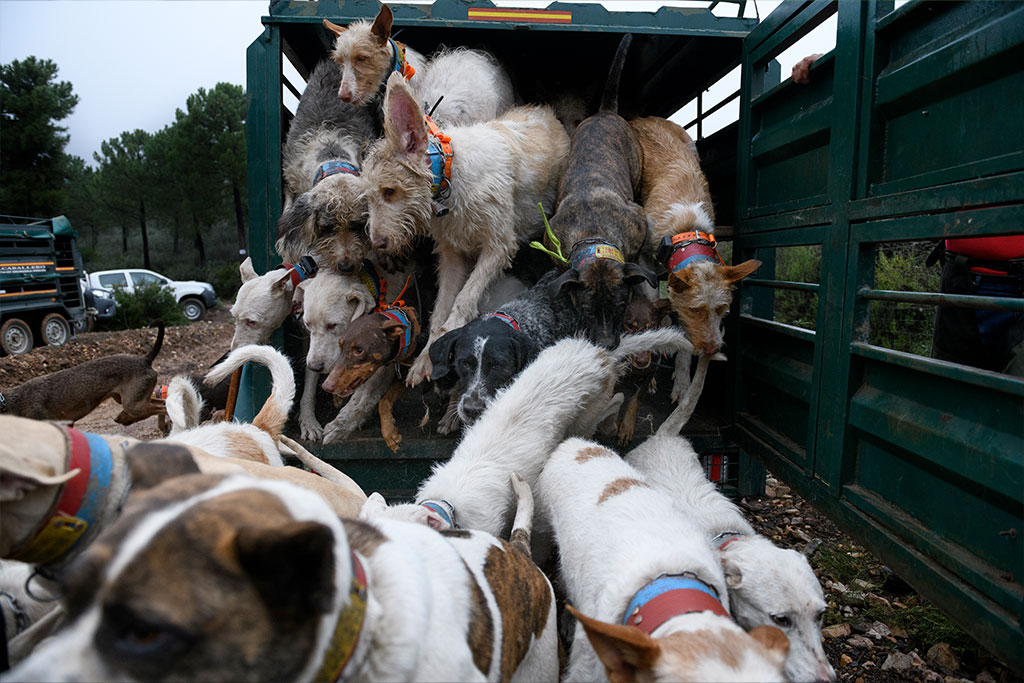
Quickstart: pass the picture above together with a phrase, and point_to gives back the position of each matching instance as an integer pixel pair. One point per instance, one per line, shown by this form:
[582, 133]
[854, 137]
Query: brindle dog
[598, 218]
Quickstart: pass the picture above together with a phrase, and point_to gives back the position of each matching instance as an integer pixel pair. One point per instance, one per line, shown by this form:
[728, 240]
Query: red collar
[671, 596]
[507, 318]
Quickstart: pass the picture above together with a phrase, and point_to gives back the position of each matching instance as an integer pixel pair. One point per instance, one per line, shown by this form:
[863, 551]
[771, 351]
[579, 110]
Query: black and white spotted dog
[484, 356]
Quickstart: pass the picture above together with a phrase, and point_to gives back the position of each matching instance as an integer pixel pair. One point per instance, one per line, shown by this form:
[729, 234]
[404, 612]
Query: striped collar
[407, 319]
[443, 508]
[303, 270]
[347, 628]
[371, 279]
[686, 248]
[725, 538]
[505, 317]
[668, 596]
[589, 250]
[440, 157]
[79, 505]
[329, 168]
[399, 64]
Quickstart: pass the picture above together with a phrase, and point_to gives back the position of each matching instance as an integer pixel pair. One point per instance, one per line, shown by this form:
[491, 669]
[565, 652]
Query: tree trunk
[243, 235]
[145, 234]
[124, 239]
[177, 232]
[197, 241]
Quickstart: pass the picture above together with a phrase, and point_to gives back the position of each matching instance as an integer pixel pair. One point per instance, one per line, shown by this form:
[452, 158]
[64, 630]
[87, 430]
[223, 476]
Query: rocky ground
[877, 627]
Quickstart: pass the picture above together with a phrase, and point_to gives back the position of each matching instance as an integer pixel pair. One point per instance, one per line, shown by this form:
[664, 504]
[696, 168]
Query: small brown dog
[73, 393]
[641, 315]
[371, 343]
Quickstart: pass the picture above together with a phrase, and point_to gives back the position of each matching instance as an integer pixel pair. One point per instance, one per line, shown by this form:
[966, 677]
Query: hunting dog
[567, 390]
[201, 569]
[474, 189]
[371, 344]
[768, 586]
[73, 393]
[682, 223]
[643, 582]
[597, 217]
[643, 312]
[323, 212]
[488, 353]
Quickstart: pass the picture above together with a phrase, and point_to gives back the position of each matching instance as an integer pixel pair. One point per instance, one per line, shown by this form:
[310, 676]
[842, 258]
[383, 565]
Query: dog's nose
[345, 95]
[314, 367]
[472, 407]
[710, 349]
[329, 385]
[380, 242]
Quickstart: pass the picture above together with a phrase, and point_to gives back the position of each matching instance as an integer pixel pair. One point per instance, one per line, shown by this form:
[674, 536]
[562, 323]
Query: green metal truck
[40, 295]
[909, 131]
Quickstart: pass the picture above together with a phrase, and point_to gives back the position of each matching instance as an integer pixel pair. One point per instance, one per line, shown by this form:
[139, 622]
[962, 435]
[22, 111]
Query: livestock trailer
[909, 131]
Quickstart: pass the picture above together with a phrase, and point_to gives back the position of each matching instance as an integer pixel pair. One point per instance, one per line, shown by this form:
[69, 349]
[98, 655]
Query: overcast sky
[133, 63]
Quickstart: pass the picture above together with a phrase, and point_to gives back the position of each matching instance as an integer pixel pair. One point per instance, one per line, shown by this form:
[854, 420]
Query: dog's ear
[570, 279]
[733, 573]
[334, 28]
[734, 274]
[381, 28]
[299, 298]
[634, 274]
[291, 566]
[679, 283]
[152, 462]
[441, 354]
[624, 650]
[292, 241]
[246, 270]
[359, 306]
[525, 349]
[404, 128]
[374, 505]
[283, 285]
[392, 327]
[662, 307]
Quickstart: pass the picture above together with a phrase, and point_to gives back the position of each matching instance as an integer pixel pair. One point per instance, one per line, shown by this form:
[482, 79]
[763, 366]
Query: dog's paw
[652, 388]
[310, 429]
[419, 371]
[335, 433]
[392, 439]
[626, 430]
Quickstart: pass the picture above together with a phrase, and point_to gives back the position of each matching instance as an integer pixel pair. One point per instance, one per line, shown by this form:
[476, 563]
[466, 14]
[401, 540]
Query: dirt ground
[877, 627]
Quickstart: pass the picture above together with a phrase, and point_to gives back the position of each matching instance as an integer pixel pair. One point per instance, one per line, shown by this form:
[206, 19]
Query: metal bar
[291, 88]
[711, 111]
[941, 368]
[995, 303]
[784, 284]
[700, 115]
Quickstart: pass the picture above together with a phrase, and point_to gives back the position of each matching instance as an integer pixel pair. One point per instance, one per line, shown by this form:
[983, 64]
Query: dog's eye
[781, 620]
[331, 327]
[357, 350]
[252, 323]
[722, 310]
[388, 193]
[360, 59]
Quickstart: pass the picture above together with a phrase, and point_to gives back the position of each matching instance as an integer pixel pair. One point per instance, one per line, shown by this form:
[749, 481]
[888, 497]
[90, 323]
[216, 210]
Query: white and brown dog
[473, 188]
[768, 586]
[232, 578]
[681, 226]
[642, 580]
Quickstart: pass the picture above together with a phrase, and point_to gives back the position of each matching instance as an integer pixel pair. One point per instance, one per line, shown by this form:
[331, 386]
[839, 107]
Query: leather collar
[686, 248]
[406, 317]
[399, 64]
[371, 279]
[347, 628]
[668, 596]
[304, 269]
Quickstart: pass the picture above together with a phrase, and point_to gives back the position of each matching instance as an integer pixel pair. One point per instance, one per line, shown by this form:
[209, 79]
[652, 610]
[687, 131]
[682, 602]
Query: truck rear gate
[918, 459]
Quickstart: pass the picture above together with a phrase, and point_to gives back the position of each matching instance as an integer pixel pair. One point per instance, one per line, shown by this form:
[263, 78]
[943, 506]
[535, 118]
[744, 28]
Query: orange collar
[439, 161]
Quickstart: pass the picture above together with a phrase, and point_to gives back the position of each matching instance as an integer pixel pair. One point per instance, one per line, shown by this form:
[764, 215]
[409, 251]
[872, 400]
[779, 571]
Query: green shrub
[225, 280]
[797, 264]
[147, 303]
[902, 326]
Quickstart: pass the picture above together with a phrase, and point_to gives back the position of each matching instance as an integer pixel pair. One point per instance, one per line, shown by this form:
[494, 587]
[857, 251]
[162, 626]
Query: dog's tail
[151, 356]
[610, 99]
[522, 525]
[318, 466]
[184, 404]
[663, 340]
[274, 412]
[678, 418]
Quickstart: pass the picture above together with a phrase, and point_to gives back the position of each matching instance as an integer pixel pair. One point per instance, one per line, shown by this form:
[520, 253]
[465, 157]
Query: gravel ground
[877, 627]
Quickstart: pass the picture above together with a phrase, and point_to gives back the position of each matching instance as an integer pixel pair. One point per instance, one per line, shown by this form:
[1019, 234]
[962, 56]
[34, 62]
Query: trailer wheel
[55, 330]
[15, 337]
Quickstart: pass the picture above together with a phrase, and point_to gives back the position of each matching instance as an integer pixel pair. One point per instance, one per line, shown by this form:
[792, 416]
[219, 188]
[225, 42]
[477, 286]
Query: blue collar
[400, 316]
[329, 168]
[591, 252]
[668, 596]
[443, 508]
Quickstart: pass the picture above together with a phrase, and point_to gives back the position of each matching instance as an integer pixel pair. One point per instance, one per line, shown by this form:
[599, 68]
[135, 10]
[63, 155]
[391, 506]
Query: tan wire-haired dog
[499, 171]
[677, 201]
[366, 54]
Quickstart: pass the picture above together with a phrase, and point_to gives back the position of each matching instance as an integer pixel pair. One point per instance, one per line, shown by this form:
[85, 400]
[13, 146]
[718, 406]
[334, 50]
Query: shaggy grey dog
[323, 154]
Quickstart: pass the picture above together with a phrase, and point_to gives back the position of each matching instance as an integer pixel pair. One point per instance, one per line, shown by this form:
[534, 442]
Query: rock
[869, 664]
[859, 679]
[878, 630]
[855, 598]
[859, 642]
[898, 631]
[897, 661]
[866, 585]
[836, 631]
[880, 600]
[847, 610]
[796, 520]
[845, 659]
[838, 587]
[930, 676]
[985, 677]
[942, 655]
[792, 511]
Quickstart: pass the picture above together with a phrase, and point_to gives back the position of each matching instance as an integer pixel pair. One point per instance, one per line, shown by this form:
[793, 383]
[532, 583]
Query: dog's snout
[345, 94]
[472, 407]
[380, 242]
[710, 348]
[314, 367]
[329, 386]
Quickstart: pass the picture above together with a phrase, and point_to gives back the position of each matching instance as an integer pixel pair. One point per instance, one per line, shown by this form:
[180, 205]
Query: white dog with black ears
[643, 582]
[767, 585]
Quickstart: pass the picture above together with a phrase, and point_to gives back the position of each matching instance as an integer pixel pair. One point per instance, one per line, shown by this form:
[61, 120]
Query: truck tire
[194, 309]
[55, 330]
[15, 337]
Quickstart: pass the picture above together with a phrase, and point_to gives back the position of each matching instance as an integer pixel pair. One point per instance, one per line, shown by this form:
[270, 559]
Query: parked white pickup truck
[194, 297]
